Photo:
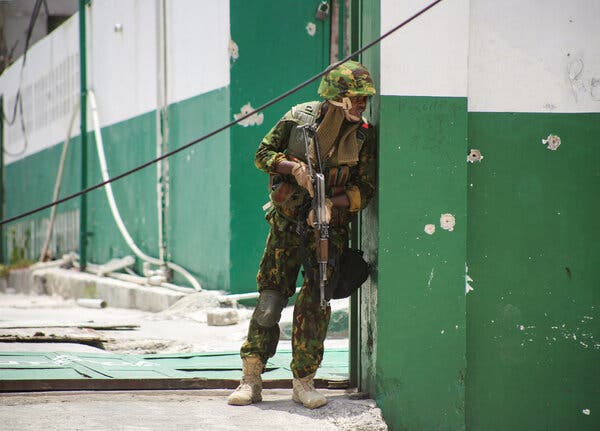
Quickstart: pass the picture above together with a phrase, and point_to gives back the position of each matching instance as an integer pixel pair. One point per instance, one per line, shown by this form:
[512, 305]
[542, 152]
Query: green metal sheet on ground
[217, 366]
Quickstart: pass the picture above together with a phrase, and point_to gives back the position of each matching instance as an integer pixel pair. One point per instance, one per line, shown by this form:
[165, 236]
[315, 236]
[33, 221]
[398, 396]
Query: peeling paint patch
[447, 222]
[430, 278]
[468, 287]
[552, 141]
[253, 120]
[429, 229]
[311, 28]
[474, 156]
[586, 412]
[234, 52]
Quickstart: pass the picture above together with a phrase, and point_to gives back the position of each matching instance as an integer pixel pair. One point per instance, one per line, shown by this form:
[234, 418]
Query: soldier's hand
[300, 172]
[311, 215]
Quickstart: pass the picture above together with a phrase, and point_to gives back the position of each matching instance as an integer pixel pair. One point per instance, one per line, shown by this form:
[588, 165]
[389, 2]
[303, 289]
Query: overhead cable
[226, 126]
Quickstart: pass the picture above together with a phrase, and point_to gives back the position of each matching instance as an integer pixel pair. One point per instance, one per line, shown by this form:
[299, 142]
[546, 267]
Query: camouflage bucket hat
[349, 79]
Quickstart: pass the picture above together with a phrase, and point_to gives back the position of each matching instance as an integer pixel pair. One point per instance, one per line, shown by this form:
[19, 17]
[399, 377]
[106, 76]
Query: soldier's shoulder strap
[304, 113]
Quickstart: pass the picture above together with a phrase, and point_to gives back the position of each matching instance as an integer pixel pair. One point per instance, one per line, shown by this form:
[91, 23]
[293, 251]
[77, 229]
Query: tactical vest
[308, 113]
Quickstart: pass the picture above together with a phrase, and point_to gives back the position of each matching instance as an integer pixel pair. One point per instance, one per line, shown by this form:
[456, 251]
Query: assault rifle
[320, 223]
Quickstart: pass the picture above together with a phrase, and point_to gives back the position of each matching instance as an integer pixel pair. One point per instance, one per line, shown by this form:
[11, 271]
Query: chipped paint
[468, 279]
[468, 287]
[253, 120]
[429, 229]
[586, 412]
[447, 222]
[430, 278]
[311, 28]
[552, 141]
[234, 52]
[474, 156]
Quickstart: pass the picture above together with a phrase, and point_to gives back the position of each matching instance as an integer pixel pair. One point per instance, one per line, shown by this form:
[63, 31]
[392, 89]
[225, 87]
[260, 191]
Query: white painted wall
[427, 57]
[122, 63]
[122, 53]
[534, 56]
[198, 40]
[50, 90]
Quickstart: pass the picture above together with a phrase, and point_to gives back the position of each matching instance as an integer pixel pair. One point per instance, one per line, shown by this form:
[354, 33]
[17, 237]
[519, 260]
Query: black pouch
[350, 274]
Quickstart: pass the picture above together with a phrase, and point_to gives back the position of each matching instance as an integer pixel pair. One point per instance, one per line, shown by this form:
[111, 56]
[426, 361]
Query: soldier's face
[359, 104]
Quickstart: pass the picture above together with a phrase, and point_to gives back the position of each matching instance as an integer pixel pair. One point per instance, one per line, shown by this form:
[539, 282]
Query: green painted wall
[126, 145]
[275, 54]
[198, 233]
[29, 183]
[421, 278]
[533, 339]
[198, 236]
[366, 28]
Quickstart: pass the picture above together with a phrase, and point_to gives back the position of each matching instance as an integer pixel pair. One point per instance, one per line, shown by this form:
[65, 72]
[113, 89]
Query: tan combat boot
[248, 391]
[305, 393]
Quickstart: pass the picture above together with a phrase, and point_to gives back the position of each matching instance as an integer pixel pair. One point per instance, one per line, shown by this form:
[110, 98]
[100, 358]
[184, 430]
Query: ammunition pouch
[268, 309]
[351, 272]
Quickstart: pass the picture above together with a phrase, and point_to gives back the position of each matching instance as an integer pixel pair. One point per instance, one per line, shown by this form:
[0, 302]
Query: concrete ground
[182, 410]
[181, 328]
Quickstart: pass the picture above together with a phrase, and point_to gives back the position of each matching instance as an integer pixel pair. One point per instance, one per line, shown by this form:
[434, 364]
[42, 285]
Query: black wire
[22, 151]
[226, 126]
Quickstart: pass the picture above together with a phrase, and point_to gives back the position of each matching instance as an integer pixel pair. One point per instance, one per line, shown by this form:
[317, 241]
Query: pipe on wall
[113, 205]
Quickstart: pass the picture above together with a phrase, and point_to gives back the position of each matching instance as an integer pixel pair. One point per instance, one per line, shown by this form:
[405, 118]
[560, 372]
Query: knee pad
[269, 307]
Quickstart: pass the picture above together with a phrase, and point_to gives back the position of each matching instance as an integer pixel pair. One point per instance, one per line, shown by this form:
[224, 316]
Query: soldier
[347, 146]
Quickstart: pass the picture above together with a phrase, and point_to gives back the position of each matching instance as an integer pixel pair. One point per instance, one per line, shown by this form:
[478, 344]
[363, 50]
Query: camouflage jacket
[290, 200]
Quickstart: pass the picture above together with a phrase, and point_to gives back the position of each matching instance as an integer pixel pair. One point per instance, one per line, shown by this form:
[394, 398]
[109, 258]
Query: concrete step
[72, 284]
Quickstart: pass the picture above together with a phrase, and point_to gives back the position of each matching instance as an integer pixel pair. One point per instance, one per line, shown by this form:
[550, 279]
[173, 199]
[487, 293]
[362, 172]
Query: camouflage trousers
[278, 271]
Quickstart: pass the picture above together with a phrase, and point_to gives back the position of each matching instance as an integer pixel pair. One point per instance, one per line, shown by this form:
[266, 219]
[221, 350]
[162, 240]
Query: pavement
[205, 410]
[177, 329]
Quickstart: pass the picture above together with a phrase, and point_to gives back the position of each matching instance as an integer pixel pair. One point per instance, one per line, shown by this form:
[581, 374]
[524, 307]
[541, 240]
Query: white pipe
[251, 295]
[113, 205]
[58, 182]
[162, 131]
[143, 281]
[91, 303]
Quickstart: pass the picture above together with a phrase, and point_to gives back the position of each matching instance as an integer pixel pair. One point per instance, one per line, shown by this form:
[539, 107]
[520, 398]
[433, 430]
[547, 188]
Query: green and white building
[483, 311]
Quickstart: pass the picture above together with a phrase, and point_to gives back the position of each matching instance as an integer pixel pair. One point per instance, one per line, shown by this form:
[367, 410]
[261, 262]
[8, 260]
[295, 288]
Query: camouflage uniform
[282, 257]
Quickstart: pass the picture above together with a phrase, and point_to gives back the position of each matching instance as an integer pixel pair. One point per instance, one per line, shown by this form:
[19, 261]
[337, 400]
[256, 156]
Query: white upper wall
[427, 57]
[198, 47]
[534, 56]
[122, 58]
[49, 93]
[122, 67]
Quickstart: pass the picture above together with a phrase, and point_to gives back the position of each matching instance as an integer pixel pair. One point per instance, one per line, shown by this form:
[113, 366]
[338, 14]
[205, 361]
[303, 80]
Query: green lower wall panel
[126, 145]
[198, 216]
[29, 183]
[265, 69]
[533, 338]
[421, 278]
